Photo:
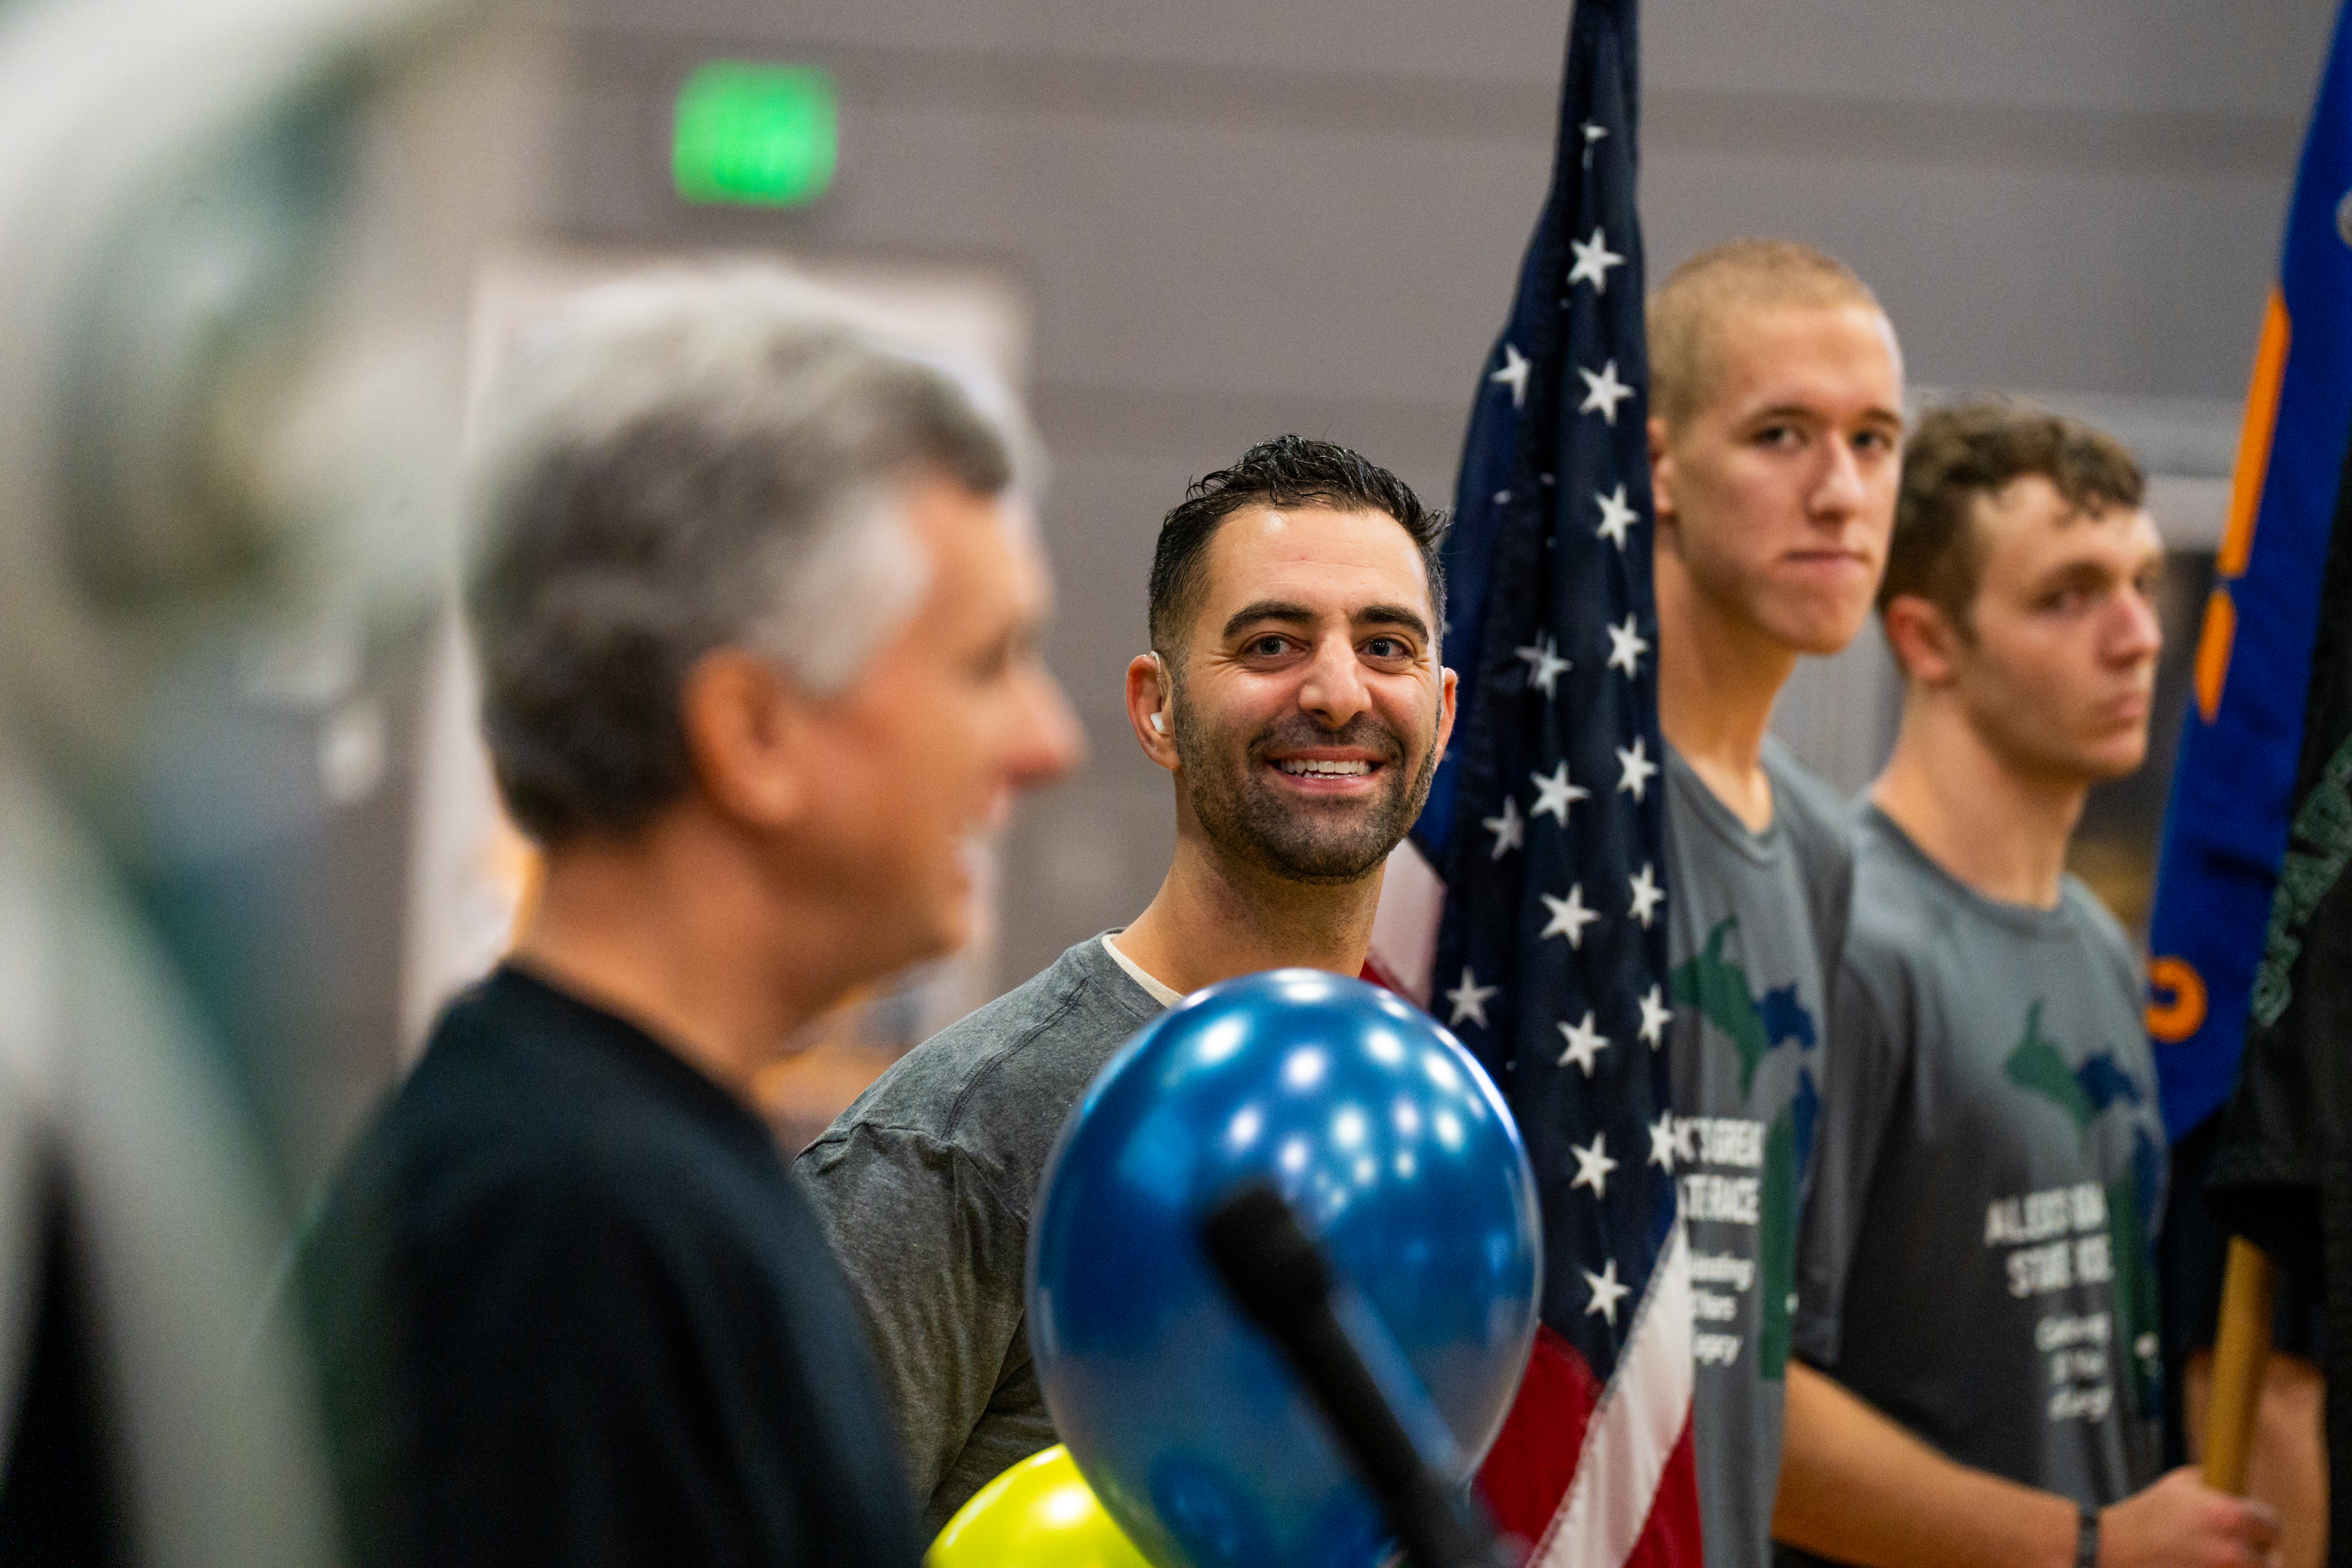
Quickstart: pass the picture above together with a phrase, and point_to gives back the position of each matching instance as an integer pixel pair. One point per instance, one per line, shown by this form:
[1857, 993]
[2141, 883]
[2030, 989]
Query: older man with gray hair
[755, 601]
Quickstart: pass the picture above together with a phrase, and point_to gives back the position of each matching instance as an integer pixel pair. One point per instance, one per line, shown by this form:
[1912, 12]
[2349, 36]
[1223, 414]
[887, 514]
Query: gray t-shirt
[1755, 921]
[924, 1186]
[1976, 1256]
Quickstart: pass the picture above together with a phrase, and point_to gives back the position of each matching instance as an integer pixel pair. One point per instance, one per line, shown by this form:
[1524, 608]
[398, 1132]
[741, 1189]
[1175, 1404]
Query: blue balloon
[1398, 1156]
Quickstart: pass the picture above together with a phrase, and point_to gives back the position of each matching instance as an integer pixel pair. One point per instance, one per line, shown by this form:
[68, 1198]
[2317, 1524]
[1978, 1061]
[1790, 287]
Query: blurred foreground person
[206, 419]
[1776, 429]
[1977, 1292]
[755, 603]
[1294, 694]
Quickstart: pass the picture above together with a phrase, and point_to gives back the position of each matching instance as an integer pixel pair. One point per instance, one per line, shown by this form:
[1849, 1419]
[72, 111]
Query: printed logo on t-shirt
[2081, 1092]
[2083, 1236]
[1744, 1170]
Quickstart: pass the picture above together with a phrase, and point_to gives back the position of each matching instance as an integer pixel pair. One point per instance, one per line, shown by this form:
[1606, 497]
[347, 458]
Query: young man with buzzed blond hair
[1978, 1325]
[1777, 394]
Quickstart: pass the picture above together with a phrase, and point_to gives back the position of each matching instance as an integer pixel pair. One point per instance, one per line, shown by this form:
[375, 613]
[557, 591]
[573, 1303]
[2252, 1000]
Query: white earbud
[1159, 721]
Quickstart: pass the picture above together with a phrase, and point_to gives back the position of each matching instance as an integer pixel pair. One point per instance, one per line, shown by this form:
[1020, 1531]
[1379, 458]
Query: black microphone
[1281, 1283]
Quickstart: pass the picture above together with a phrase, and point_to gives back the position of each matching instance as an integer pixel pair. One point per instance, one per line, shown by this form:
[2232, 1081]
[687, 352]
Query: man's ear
[1151, 710]
[1448, 683]
[746, 725]
[1662, 473]
[1925, 641]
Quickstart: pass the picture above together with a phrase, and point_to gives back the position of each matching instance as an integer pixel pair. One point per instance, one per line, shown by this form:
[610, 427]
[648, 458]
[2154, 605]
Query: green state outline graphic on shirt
[1756, 1025]
[2037, 1065]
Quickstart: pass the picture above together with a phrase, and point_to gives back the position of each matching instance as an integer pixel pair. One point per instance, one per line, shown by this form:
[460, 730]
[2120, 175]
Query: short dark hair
[1289, 470]
[1978, 450]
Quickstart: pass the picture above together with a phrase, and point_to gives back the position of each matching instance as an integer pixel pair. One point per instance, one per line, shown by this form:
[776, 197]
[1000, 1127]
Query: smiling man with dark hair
[1294, 694]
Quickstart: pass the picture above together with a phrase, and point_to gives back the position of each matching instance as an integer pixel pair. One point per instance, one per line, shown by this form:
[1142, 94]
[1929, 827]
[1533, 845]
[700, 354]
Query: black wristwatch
[2086, 1540]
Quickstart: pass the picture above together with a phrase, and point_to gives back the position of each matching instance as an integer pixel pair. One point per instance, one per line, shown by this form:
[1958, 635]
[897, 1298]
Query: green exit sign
[763, 134]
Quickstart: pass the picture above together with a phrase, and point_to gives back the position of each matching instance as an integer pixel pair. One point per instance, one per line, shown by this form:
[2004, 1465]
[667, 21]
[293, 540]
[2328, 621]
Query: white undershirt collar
[1166, 997]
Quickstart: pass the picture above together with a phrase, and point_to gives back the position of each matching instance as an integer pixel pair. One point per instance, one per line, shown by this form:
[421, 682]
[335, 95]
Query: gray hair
[681, 462]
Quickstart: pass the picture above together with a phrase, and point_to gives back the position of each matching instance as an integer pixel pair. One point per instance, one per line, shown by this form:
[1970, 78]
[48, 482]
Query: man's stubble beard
[1246, 821]
[2052, 750]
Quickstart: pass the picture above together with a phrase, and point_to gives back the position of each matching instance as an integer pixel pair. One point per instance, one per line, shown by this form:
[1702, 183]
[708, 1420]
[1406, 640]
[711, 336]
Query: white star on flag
[1568, 916]
[1603, 392]
[1639, 769]
[1585, 1043]
[1655, 1016]
[1592, 1166]
[1591, 133]
[1616, 517]
[1647, 894]
[1593, 260]
[1662, 1141]
[1554, 794]
[1606, 1291]
[1545, 665]
[1514, 374]
[1626, 647]
[1510, 829]
[1469, 1000]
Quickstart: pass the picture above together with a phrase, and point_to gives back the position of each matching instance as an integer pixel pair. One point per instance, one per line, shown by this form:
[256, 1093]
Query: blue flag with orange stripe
[2226, 829]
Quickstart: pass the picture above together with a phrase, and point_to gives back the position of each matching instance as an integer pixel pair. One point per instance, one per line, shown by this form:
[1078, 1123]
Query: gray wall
[1233, 217]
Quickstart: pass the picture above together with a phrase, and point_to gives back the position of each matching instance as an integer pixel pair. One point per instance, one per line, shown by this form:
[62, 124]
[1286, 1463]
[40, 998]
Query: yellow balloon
[1039, 1514]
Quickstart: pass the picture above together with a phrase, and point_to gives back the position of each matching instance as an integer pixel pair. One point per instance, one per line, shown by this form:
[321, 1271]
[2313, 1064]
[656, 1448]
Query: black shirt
[569, 1307]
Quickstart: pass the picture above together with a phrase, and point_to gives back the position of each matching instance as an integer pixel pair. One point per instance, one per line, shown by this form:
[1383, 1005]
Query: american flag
[1526, 910]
